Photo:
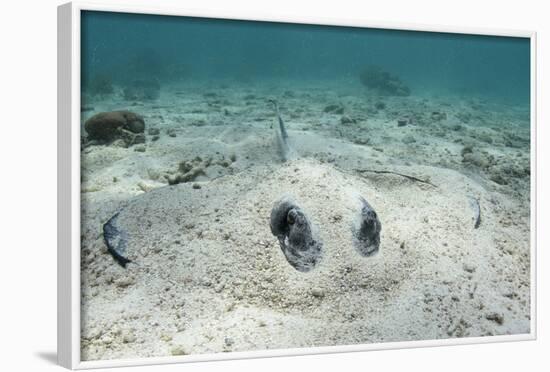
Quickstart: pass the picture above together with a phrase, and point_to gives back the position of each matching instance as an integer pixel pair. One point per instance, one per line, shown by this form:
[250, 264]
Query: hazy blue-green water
[131, 46]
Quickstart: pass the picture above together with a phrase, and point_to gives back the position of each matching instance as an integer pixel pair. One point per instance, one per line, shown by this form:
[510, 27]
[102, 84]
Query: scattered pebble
[438, 116]
[334, 109]
[402, 122]
[238, 292]
[318, 292]
[468, 149]
[347, 120]
[145, 187]
[125, 281]
[178, 350]
[495, 317]
[408, 139]
[229, 341]
[128, 337]
[469, 268]
[166, 337]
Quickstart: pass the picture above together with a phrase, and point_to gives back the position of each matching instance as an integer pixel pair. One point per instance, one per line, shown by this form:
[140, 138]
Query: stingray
[291, 197]
[294, 230]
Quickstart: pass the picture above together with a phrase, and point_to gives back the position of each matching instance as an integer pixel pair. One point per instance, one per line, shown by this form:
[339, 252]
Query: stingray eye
[367, 234]
[291, 217]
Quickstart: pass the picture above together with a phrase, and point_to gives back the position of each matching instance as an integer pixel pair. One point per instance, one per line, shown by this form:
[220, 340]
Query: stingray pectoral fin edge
[116, 240]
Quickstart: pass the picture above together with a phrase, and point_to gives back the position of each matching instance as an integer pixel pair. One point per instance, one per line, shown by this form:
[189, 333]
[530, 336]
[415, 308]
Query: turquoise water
[127, 47]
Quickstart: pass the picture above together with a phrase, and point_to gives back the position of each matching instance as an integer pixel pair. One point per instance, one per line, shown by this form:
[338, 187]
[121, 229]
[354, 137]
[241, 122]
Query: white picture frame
[69, 188]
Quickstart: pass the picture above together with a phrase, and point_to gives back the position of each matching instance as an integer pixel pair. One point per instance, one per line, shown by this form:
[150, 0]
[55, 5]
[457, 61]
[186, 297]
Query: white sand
[210, 277]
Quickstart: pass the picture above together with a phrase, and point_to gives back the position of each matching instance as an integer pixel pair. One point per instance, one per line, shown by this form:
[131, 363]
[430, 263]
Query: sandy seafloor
[210, 277]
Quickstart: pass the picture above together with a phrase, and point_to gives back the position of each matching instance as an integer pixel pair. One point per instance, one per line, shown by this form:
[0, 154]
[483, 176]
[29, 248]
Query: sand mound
[208, 275]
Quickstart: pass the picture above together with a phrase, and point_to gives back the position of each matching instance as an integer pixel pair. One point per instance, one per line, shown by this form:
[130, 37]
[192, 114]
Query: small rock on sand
[346, 120]
[469, 268]
[401, 122]
[166, 337]
[128, 337]
[178, 350]
[495, 317]
[408, 139]
[125, 282]
[145, 186]
[334, 109]
[107, 126]
[318, 292]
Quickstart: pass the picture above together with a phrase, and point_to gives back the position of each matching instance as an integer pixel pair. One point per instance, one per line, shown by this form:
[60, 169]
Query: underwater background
[213, 150]
[131, 46]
